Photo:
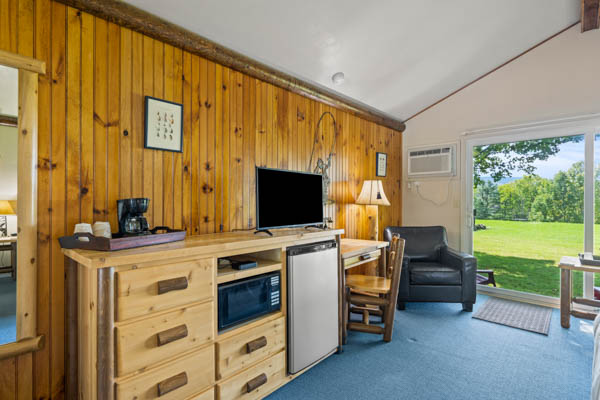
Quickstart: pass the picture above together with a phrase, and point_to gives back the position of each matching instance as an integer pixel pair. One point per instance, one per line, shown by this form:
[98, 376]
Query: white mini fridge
[312, 286]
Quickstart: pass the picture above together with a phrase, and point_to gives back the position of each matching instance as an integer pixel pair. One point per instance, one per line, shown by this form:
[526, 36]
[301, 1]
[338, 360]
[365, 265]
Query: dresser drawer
[243, 350]
[143, 343]
[255, 382]
[208, 395]
[179, 379]
[144, 291]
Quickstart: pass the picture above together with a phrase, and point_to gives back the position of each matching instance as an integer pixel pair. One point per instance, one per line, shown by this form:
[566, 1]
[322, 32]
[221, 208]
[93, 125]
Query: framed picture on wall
[164, 125]
[381, 167]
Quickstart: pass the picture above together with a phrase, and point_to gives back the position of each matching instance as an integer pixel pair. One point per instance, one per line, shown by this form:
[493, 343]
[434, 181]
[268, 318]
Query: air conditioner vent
[432, 161]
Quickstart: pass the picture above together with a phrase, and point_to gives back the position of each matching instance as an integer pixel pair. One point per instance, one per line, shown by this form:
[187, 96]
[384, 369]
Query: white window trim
[588, 125]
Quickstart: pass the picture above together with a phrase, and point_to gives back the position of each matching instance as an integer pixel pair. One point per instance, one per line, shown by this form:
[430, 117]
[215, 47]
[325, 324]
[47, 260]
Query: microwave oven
[246, 299]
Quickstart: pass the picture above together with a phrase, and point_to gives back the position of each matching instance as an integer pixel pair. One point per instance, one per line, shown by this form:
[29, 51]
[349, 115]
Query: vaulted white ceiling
[398, 56]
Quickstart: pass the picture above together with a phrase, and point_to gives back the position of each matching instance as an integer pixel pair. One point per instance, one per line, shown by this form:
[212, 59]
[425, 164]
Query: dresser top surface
[211, 244]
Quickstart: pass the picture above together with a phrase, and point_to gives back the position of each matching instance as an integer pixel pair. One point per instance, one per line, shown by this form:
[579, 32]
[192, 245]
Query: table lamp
[5, 209]
[372, 196]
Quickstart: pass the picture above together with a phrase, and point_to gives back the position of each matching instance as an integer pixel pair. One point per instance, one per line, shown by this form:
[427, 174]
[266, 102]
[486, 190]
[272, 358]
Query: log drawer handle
[168, 285]
[172, 383]
[256, 344]
[171, 335]
[364, 257]
[255, 383]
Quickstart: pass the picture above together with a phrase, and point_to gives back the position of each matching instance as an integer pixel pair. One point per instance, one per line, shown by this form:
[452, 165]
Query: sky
[568, 154]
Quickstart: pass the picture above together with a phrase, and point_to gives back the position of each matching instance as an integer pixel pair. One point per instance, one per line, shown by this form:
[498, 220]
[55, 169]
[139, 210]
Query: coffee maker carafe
[131, 219]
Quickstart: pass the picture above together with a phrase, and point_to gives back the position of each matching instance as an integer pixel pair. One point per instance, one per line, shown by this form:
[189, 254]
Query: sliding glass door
[528, 208]
[529, 200]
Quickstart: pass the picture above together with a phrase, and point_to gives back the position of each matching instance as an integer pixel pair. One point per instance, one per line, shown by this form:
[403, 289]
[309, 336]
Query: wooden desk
[567, 265]
[357, 252]
[9, 243]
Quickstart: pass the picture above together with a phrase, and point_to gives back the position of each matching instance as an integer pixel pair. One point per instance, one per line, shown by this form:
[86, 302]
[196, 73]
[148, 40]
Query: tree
[561, 199]
[487, 200]
[517, 197]
[499, 160]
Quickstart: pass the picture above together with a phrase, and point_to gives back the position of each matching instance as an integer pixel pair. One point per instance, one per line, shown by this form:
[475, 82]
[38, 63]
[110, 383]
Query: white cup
[102, 229]
[83, 228]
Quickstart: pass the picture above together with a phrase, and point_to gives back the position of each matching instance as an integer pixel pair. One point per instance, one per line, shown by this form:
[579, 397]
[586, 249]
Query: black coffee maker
[131, 219]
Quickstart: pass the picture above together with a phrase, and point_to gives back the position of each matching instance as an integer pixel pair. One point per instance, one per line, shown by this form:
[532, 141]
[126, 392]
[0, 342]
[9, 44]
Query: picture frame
[163, 125]
[381, 164]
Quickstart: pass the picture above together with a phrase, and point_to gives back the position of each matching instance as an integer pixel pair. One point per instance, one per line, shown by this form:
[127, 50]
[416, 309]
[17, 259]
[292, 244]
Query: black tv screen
[288, 198]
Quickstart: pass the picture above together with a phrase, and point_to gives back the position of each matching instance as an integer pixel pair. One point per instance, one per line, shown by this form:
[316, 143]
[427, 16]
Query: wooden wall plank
[25, 46]
[43, 52]
[8, 379]
[208, 134]
[113, 123]
[125, 131]
[57, 211]
[98, 75]
[196, 105]
[186, 189]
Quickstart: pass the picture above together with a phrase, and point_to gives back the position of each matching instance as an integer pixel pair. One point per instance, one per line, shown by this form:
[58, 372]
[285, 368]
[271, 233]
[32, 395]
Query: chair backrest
[395, 255]
[394, 270]
[423, 243]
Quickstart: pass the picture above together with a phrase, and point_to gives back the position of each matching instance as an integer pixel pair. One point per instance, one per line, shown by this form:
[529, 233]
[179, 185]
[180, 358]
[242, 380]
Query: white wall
[557, 79]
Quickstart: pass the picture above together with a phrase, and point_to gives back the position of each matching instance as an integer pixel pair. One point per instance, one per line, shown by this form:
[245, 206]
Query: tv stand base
[263, 230]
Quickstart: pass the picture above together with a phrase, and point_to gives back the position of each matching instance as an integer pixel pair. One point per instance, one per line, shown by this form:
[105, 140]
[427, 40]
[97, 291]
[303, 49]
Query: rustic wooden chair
[376, 295]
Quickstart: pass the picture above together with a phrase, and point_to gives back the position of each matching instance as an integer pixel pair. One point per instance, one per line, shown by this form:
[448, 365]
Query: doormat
[519, 315]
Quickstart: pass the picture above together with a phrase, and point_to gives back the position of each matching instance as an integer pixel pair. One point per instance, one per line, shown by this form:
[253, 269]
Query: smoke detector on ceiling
[338, 78]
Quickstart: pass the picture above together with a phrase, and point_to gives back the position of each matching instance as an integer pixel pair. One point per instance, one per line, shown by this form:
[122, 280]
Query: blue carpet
[440, 352]
[8, 309]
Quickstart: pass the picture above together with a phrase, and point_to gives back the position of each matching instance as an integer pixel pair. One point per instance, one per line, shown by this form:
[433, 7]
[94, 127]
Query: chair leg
[389, 323]
[401, 306]
[468, 307]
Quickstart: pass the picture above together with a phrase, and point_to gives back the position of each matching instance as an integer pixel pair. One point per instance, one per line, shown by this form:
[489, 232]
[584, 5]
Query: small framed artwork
[164, 125]
[381, 167]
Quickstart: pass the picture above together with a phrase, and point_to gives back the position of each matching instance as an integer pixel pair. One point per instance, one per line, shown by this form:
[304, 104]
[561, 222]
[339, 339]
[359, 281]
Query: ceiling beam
[131, 17]
[590, 15]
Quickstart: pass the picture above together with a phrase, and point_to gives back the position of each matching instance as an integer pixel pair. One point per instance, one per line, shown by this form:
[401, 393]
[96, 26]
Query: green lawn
[524, 255]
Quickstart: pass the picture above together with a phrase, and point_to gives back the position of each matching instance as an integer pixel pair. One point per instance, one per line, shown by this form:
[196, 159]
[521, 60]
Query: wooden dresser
[142, 323]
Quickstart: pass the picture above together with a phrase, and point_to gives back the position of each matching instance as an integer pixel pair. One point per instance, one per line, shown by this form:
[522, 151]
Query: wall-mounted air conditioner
[432, 161]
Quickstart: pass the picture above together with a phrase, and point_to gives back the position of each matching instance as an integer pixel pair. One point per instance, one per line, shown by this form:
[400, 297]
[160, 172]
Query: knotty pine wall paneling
[91, 117]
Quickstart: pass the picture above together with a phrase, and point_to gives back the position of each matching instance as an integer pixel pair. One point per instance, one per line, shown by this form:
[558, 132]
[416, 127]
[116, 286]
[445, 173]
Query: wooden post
[27, 205]
[372, 216]
[72, 347]
[565, 298]
[106, 345]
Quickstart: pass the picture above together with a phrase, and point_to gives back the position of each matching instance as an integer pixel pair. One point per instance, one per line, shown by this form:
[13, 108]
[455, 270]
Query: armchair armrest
[467, 264]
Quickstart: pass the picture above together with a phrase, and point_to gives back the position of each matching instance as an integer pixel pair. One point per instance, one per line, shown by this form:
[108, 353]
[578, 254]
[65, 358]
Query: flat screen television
[287, 199]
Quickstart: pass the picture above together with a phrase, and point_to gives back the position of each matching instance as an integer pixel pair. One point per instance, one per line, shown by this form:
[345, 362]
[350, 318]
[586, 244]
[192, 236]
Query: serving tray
[88, 241]
[595, 260]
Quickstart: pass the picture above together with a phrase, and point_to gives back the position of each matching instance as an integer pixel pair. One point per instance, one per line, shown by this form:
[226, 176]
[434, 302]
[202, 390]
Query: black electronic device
[287, 199]
[130, 213]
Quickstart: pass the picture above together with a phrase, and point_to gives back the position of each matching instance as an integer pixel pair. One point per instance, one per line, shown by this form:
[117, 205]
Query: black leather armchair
[432, 271]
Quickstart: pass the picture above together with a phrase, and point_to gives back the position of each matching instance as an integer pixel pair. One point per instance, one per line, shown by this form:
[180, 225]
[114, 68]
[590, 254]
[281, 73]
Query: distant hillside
[502, 181]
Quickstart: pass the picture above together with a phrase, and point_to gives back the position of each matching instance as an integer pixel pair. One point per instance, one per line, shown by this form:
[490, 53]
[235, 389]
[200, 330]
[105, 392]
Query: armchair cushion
[432, 273]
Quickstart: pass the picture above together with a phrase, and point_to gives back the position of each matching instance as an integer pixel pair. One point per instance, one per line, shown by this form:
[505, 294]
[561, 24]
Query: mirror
[9, 105]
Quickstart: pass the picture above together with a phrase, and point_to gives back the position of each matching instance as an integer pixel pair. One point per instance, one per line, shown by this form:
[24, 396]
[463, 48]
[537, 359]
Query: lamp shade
[372, 194]
[6, 208]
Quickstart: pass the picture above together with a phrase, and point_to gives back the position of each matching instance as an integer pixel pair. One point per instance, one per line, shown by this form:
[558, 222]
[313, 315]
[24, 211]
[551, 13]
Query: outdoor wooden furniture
[489, 280]
[370, 294]
[567, 265]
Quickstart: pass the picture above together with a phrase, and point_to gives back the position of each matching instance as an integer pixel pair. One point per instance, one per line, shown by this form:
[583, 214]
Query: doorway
[529, 195]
